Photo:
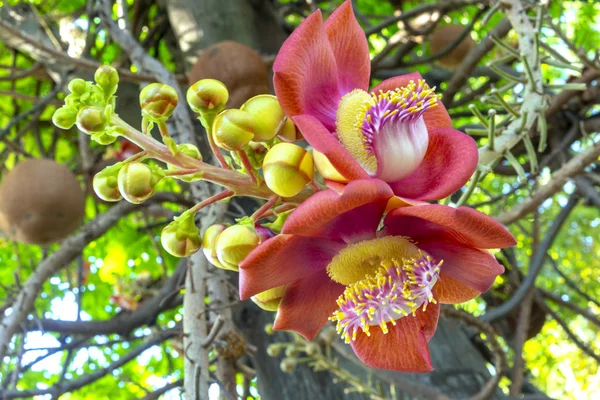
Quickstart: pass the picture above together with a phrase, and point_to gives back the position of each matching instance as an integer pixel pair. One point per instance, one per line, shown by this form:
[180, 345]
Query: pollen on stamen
[402, 104]
[398, 289]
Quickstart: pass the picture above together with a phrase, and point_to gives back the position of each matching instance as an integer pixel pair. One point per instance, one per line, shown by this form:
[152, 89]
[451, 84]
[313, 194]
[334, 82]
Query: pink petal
[450, 161]
[352, 215]
[307, 304]
[306, 78]
[323, 141]
[451, 291]
[438, 222]
[475, 268]
[404, 348]
[436, 117]
[350, 47]
[284, 259]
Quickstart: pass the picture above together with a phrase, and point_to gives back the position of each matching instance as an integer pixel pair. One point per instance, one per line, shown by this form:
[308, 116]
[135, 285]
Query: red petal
[350, 47]
[307, 304]
[451, 291]
[475, 268]
[284, 259]
[436, 117]
[306, 79]
[335, 186]
[438, 222]
[323, 141]
[404, 348]
[450, 161]
[354, 215]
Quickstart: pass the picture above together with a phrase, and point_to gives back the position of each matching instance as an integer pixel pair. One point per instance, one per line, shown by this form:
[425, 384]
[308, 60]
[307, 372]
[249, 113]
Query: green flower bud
[107, 78]
[234, 244]
[287, 169]
[289, 133]
[78, 86]
[181, 238]
[65, 117]
[209, 240]
[233, 129]
[288, 364]
[269, 299]
[158, 101]
[137, 181]
[106, 183]
[312, 349]
[274, 350]
[207, 96]
[267, 115]
[91, 120]
[104, 138]
[269, 329]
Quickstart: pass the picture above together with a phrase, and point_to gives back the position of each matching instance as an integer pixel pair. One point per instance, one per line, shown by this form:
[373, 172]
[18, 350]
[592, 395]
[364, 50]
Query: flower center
[385, 131]
[359, 259]
[397, 289]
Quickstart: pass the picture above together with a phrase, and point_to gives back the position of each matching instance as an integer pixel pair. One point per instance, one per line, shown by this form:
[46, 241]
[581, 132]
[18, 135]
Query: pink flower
[399, 132]
[382, 286]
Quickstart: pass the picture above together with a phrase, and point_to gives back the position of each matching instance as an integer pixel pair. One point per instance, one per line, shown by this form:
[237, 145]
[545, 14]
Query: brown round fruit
[442, 37]
[41, 202]
[238, 66]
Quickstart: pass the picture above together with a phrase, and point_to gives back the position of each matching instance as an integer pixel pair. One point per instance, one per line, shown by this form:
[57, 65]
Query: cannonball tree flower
[380, 276]
[398, 132]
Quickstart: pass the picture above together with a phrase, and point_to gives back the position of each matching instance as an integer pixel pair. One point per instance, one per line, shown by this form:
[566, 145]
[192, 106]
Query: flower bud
[312, 349]
[325, 168]
[107, 78]
[190, 150]
[267, 115]
[289, 133]
[269, 329]
[287, 168]
[233, 129]
[106, 183]
[77, 86]
[91, 120]
[269, 299]
[207, 96]
[65, 117]
[181, 238]
[137, 181]
[234, 244]
[158, 101]
[274, 350]
[209, 241]
[288, 364]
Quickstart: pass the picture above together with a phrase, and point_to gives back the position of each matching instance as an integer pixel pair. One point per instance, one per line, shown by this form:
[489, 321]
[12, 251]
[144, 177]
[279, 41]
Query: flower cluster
[368, 252]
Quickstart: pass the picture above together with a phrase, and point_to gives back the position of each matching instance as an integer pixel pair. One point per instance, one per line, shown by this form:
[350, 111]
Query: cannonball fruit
[41, 202]
[238, 66]
[442, 37]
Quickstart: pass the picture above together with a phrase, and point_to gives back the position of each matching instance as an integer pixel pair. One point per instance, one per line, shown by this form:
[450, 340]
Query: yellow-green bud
[181, 238]
[137, 181]
[288, 364]
[269, 329]
[267, 115]
[190, 150]
[209, 240]
[325, 168]
[312, 349]
[274, 350]
[234, 244]
[106, 183]
[207, 96]
[91, 120]
[107, 78]
[233, 129]
[269, 299]
[77, 86]
[287, 169]
[291, 351]
[158, 101]
[289, 133]
[65, 117]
